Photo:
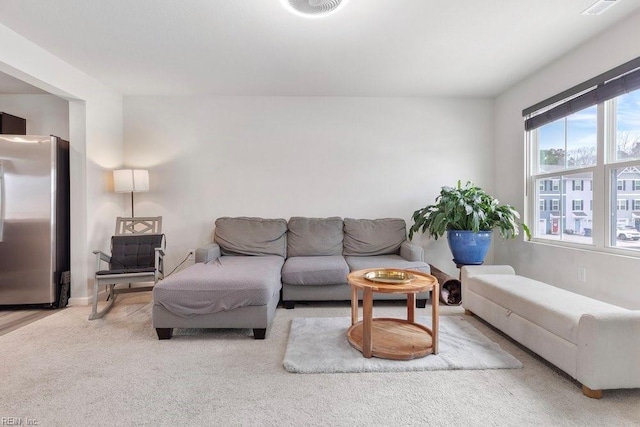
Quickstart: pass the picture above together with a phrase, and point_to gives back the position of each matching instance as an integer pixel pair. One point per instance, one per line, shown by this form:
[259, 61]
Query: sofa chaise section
[235, 282]
[595, 342]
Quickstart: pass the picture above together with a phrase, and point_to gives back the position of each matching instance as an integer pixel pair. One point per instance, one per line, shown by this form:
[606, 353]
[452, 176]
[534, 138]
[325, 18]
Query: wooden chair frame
[138, 225]
[127, 226]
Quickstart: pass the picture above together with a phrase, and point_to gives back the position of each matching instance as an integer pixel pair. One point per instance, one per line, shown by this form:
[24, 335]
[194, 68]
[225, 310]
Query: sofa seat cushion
[314, 236]
[385, 261]
[223, 284]
[554, 309]
[315, 270]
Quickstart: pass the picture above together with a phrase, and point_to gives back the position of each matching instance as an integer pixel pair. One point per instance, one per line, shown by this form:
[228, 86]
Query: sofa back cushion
[367, 237]
[251, 236]
[315, 236]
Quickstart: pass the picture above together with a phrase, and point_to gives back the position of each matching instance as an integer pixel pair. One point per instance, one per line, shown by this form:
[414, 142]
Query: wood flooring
[10, 320]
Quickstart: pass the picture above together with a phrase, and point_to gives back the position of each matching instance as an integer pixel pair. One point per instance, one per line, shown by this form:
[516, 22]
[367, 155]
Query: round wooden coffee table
[388, 338]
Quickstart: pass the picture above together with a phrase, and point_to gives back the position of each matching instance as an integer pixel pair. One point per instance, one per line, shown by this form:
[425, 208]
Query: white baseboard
[79, 301]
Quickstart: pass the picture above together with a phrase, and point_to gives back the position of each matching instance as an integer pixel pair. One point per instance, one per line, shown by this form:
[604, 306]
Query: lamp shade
[130, 180]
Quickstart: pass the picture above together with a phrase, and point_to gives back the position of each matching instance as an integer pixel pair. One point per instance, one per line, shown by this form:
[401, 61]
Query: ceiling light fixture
[599, 7]
[313, 8]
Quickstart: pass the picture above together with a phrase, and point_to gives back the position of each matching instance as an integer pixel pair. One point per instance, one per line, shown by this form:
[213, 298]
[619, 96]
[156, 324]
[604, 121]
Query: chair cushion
[385, 261]
[367, 237]
[314, 236]
[223, 284]
[315, 270]
[251, 236]
[134, 251]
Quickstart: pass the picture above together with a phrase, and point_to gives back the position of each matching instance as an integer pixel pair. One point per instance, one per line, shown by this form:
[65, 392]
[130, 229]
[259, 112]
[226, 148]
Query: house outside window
[626, 210]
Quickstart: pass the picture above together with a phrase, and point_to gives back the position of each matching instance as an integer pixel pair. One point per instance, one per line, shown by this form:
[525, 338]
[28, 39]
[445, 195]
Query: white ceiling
[256, 47]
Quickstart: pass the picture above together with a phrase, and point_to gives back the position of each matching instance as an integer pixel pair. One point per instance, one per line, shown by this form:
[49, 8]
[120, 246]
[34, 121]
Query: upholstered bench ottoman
[593, 341]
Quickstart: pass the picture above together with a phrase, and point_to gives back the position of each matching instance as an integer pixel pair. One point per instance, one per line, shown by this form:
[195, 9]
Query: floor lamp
[130, 181]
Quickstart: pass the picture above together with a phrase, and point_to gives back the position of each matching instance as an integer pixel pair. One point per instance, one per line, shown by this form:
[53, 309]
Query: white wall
[95, 135]
[45, 114]
[613, 278]
[302, 156]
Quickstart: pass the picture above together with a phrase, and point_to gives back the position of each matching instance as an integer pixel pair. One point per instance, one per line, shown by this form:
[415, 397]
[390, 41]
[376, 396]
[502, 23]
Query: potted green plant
[468, 215]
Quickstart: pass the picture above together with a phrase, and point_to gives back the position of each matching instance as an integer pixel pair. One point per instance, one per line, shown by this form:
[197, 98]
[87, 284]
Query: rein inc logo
[18, 421]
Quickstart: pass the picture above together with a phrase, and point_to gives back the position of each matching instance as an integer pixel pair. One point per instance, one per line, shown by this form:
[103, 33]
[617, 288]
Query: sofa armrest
[609, 350]
[411, 251]
[208, 253]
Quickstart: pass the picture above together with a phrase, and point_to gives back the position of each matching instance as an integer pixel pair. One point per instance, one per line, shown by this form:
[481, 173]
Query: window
[542, 204]
[586, 142]
[543, 185]
[624, 166]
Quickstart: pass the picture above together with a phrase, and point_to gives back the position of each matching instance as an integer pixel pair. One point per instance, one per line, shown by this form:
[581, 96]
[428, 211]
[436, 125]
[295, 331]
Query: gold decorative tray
[389, 276]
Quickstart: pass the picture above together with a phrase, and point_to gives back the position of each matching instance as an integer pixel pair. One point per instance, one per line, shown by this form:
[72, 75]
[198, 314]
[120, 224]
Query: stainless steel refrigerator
[34, 219]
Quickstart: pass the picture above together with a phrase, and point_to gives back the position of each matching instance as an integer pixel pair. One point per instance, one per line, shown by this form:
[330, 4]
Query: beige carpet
[65, 370]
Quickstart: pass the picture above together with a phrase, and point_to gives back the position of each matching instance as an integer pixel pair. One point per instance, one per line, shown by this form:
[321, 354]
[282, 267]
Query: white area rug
[320, 345]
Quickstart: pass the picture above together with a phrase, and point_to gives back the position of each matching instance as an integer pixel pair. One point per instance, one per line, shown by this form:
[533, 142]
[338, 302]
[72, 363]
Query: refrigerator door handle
[2, 200]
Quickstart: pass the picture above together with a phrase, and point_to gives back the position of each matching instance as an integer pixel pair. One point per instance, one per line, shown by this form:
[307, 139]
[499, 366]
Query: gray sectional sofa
[236, 281]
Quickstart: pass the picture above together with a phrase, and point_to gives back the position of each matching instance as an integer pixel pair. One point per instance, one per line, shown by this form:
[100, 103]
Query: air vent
[313, 8]
[599, 7]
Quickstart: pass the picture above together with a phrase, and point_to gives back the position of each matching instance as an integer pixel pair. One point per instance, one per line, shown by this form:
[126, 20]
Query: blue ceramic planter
[468, 247]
